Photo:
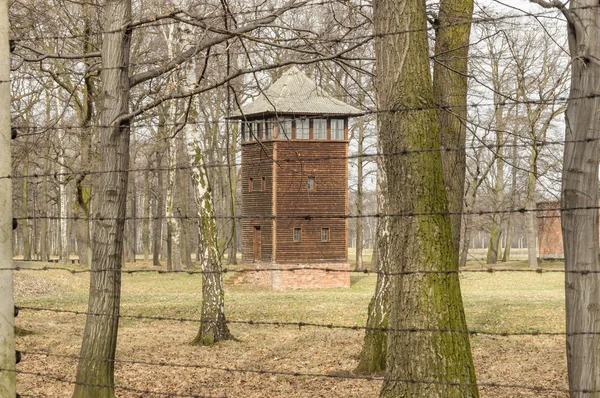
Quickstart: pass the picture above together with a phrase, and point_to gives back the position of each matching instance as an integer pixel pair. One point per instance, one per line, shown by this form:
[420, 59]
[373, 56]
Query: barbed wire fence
[24, 131]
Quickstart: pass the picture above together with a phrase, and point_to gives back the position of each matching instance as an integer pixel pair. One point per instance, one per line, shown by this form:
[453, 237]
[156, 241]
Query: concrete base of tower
[289, 276]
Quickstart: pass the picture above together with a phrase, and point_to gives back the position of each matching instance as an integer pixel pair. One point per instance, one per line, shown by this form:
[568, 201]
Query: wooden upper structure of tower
[295, 174]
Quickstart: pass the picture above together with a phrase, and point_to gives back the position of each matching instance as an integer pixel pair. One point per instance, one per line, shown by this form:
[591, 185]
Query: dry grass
[495, 302]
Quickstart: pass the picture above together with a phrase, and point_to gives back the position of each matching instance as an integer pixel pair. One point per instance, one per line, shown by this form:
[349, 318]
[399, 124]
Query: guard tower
[295, 182]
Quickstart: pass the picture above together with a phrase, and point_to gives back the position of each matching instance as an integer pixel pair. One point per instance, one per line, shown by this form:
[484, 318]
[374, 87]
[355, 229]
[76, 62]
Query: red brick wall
[549, 230]
[298, 278]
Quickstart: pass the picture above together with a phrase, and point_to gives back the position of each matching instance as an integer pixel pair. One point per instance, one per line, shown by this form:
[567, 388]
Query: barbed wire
[300, 159]
[348, 377]
[290, 373]
[303, 324]
[506, 101]
[330, 216]
[486, 270]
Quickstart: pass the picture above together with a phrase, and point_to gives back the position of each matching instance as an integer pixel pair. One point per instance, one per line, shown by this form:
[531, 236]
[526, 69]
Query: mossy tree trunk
[373, 355]
[415, 184]
[449, 89]
[450, 71]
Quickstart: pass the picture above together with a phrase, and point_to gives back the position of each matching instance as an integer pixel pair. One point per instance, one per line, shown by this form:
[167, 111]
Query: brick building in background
[295, 183]
[550, 243]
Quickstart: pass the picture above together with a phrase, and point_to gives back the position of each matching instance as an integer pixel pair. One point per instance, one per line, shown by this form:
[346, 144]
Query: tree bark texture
[172, 221]
[530, 205]
[7, 324]
[580, 189]
[146, 225]
[62, 193]
[157, 222]
[450, 71]
[213, 327]
[373, 355]
[498, 191]
[44, 252]
[359, 194]
[415, 184]
[96, 378]
[83, 193]
[509, 223]
[24, 222]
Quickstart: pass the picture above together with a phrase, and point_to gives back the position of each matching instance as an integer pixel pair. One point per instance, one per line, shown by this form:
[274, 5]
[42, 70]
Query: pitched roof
[295, 93]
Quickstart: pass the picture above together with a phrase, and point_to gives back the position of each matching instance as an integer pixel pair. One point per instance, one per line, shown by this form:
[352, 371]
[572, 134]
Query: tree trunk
[7, 336]
[450, 72]
[465, 249]
[415, 183]
[183, 197]
[375, 256]
[232, 255]
[146, 227]
[24, 222]
[531, 215]
[373, 355]
[509, 224]
[83, 197]
[359, 196]
[44, 252]
[160, 205]
[213, 327]
[494, 243]
[580, 189]
[62, 193]
[133, 221]
[173, 224]
[100, 333]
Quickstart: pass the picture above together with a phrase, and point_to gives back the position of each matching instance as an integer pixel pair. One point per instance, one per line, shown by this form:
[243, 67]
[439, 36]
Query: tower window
[337, 129]
[284, 129]
[250, 184]
[250, 131]
[297, 234]
[320, 129]
[324, 234]
[310, 183]
[302, 129]
[259, 129]
[268, 134]
[263, 183]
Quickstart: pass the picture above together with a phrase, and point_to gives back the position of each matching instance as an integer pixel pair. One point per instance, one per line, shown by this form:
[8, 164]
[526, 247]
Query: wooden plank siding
[329, 197]
[286, 194]
[258, 202]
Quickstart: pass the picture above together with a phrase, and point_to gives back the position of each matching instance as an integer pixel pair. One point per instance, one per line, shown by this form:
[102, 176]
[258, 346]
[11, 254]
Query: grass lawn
[504, 301]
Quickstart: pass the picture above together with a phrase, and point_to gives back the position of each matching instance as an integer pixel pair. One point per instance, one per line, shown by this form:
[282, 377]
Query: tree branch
[204, 44]
[238, 73]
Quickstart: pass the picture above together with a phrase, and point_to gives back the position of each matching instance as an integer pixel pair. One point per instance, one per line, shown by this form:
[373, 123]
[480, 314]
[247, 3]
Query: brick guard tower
[295, 175]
